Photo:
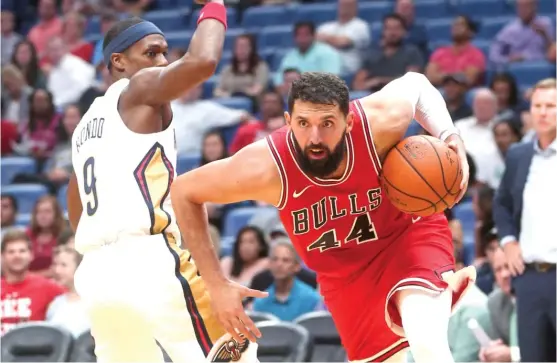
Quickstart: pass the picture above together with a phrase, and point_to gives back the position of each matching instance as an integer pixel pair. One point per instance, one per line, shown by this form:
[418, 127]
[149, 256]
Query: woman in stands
[249, 256]
[247, 74]
[47, 223]
[25, 58]
[508, 96]
[67, 310]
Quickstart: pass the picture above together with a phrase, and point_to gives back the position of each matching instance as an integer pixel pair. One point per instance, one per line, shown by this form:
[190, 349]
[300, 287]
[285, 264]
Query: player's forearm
[430, 109]
[192, 221]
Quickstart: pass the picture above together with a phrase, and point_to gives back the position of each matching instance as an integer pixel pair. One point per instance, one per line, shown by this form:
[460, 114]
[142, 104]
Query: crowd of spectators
[52, 72]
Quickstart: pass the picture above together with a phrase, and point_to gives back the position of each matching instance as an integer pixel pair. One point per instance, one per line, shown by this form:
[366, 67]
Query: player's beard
[321, 168]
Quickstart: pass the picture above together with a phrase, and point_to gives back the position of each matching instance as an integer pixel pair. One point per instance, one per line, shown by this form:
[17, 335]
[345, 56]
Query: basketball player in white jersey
[138, 285]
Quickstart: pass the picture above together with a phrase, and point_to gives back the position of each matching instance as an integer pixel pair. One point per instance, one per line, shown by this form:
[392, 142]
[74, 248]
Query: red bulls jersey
[338, 226]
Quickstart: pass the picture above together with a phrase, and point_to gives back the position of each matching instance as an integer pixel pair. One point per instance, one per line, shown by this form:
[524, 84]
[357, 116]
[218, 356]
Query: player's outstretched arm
[73, 201]
[248, 175]
[156, 86]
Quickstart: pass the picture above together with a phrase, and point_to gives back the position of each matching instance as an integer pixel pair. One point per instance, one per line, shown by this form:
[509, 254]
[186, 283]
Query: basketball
[421, 175]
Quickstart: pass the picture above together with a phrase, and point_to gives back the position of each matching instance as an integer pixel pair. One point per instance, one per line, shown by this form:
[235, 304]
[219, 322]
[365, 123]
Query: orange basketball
[421, 175]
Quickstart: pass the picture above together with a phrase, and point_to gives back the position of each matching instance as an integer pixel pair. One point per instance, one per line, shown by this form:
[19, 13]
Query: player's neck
[339, 172]
[283, 287]
[14, 277]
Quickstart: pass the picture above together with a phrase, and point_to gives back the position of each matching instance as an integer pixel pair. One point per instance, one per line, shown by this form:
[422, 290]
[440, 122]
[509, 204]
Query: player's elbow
[206, 65]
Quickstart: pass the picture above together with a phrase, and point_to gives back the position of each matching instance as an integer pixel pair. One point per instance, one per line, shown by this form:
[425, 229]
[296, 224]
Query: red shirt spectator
[49, 25]
[41, 132]
[25, 296]
[8, 135]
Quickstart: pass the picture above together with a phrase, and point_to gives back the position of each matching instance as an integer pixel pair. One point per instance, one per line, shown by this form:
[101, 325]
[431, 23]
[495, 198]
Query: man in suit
[526, 228]
[502, 313]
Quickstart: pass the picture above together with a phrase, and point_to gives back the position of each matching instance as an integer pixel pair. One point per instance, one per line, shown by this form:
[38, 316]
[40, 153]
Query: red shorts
[364, 313]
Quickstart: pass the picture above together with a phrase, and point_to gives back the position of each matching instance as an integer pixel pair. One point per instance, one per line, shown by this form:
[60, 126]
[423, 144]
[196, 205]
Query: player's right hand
[226, 301]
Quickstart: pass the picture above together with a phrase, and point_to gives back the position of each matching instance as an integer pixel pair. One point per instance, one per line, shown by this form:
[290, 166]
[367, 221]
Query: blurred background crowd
[484, 56]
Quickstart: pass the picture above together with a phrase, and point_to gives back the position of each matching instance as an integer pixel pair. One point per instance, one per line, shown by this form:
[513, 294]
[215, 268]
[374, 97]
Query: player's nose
[315, 136]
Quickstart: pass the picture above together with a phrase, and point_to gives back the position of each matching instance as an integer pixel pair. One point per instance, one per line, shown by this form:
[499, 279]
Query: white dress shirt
[537, 234]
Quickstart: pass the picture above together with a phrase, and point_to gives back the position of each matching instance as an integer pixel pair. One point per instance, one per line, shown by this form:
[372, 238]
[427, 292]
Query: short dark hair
[304, 24]
[291, 70]
[13, 235]
[471, 24]
[320, 88]
[395, 16]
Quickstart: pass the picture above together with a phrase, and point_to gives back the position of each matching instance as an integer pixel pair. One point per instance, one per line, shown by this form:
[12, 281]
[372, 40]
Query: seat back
[283, 342]
[83, 349]
[36, 342]
[324, 336]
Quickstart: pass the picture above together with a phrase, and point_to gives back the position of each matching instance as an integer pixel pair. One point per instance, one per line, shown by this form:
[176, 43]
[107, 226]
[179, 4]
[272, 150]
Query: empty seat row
[312, 338]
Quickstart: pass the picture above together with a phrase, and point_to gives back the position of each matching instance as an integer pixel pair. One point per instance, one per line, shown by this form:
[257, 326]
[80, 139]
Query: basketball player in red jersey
[386, 277]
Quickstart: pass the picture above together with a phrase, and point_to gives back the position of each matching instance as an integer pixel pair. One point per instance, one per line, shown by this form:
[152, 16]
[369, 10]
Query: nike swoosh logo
[415, 219]
[297, 194]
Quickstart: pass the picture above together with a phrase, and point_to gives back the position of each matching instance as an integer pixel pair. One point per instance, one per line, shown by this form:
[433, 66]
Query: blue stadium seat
[178, 39]
[13, 165]
[26, 195]
[277, 58]
[186, 163]
[354, 95]
[528, 73]
[23, 219]
[432, 9]
[465, 213]
[236, 219]
[263, 16]
[547, 7]
[480, 8]
[227, 245]
[209, 86]
[231, 18]
[318, 13]
[93, 38]
[374, 10]
[439, 29]
[483, 45]
[469, 253]
[376, 28]
[280, 36]
[224, 61]
[238, 103]
[62, 196]
[489, 27]
[93, 25]
[172, 4]
[169, 20]
[433, 46]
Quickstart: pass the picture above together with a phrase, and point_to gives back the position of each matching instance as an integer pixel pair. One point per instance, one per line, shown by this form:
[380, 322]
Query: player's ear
[287, 118]
[117, 61]
[349, 121]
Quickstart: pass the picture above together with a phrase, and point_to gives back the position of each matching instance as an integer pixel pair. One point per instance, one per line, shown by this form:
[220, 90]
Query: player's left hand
[455, 143]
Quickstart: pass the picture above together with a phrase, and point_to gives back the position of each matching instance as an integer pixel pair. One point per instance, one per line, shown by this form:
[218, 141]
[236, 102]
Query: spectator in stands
[9, 37]
[391, 60]
[455, 87]
[482, 205]
[272, 110]
[473, 305]
[25, 58]
[48, 27]
[309, 55]
[508, 99]
[39, 135]
[349, 35]
[8, 134]
[47, 223]
[214, 148]
[72, 34]
[133, 7]
[67, 310]
[8, 211]
[502, 312]
[108, 18]
[456, 228]
[193, 117]
[288, 297]
[525, 227]
[416, 33]
[247, 74]
[459, 57]
[66, 239]
[506, 133]
[175, 53]
[15, 94]
[96, 90]
[249, 256]
[25, 296]
[68, 76]
[528, 37]
[485, 249]
[477, 133]
[289, 75]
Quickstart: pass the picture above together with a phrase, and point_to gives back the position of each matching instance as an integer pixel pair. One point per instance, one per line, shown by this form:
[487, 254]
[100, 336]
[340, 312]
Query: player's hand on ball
[455, 143]
[226, 301]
